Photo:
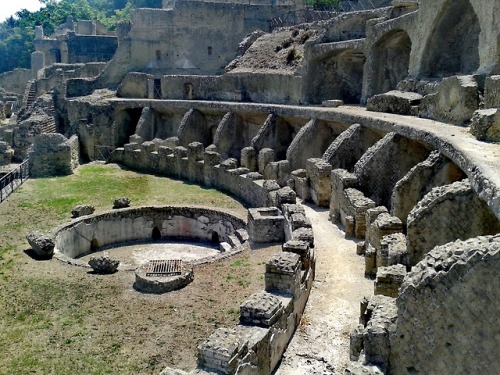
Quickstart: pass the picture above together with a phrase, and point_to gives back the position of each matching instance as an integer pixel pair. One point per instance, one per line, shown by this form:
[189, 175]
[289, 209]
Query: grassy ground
[61, 319]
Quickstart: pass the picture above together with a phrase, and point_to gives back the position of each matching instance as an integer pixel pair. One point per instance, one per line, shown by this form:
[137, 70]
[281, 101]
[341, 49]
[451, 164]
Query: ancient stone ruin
[386, 115]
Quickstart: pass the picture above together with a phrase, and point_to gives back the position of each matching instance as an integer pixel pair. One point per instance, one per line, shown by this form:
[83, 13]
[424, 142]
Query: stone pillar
[195, 161]
[37, 63]
[283, 274]
[319, 173]
[266, 156]
[249, 158]
[301, 183]
[39, 33]
[211, 159]
[266, 224]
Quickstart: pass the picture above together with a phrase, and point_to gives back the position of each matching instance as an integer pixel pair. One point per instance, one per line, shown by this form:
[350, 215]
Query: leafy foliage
[17, 31]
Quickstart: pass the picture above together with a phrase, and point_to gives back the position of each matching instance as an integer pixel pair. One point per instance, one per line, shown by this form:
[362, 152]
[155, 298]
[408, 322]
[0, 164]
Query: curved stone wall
[89, 233]
[447, 320]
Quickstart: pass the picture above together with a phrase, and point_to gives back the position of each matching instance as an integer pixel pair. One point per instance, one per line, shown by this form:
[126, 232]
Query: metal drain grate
[170, 267]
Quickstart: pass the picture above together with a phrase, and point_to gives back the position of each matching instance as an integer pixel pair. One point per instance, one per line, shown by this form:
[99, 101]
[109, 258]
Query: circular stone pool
[139, 236]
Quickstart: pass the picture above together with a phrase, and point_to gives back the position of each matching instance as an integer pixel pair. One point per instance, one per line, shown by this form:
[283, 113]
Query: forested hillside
[17, 32]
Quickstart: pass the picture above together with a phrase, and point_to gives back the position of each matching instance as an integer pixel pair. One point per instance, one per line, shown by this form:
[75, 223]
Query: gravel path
[321, 343]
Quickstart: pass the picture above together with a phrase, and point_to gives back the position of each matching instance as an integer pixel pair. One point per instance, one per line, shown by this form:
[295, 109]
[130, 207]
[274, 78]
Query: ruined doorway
[157, 88]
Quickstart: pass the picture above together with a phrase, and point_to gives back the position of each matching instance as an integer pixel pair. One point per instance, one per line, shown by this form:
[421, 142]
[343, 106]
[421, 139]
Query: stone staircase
[29, 95]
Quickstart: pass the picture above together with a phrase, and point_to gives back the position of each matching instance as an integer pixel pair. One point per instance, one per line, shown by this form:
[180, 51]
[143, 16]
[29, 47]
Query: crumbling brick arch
[390, 59]
[452, 46]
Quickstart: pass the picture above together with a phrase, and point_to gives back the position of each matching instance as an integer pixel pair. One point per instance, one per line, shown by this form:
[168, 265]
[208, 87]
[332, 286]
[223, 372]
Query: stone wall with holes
[89, 233]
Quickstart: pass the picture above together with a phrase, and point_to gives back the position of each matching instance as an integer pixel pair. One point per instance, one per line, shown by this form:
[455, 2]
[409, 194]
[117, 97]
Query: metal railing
[12, 180]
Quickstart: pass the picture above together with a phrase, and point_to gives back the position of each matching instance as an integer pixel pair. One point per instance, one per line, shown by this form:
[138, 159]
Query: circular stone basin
[93, 233]
[146, 280]
[134, 255]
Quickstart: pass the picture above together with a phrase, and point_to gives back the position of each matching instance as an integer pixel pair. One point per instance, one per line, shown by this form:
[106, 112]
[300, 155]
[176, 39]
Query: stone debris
[121, 203]
[82, 210]
[41, 244]
[104, 264]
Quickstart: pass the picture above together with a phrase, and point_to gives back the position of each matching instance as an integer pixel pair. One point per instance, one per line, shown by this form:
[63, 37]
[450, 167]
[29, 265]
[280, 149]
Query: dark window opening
[209, 50]
[157, 88]
[94, 245]
[215, 237]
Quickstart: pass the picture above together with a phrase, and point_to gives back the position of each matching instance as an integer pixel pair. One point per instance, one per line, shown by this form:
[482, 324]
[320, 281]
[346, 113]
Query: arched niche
[338, 75]
[452, 47]
[391, 58]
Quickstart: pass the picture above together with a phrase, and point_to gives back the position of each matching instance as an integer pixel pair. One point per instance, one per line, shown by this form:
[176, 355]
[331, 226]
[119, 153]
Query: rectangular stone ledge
[261, 309]
[300, 248]
[389, 280]
[266, 224]
[222, 351]
[283, 274]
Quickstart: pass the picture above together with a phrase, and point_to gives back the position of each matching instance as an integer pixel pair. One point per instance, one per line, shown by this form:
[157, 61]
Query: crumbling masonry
[250, 98]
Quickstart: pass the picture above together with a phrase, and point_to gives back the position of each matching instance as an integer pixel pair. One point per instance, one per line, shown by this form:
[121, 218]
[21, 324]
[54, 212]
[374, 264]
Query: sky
[10, 7]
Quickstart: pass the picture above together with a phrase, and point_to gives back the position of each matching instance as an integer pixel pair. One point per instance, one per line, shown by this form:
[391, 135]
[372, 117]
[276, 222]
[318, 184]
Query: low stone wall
[90, 233]
[268, 319]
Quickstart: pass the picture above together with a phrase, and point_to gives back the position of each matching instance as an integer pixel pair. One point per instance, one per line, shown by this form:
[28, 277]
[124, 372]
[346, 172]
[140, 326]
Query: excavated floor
[321, 342]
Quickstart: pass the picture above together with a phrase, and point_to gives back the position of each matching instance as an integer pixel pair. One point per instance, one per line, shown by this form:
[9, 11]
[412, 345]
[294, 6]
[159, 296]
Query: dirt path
[321, 344]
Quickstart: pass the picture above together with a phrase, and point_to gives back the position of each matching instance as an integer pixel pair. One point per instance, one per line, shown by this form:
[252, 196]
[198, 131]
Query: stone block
[393, 251]
[225, 247]
[455, 101]
[334, 103]
[485, 125]
[319, 173]
[180, 152]
[370, 261]
[304, 234]
[82, 210]
[283, 274]
[389, 280]
[299, 220]
[356, 342]
[286, 195]
[41, 244]
[248, 158]
[262, 309]
[271, 171]
[228, 164]
[492, 92]
[104, 264]
[222, 351]
[242, 235]
[254, 176]
[122, 202]
[266, 156]
[376, 336]
[195, 151]
[301, 248]
[301, 183]
[266, 224]
[400, 102]
[134, 138]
